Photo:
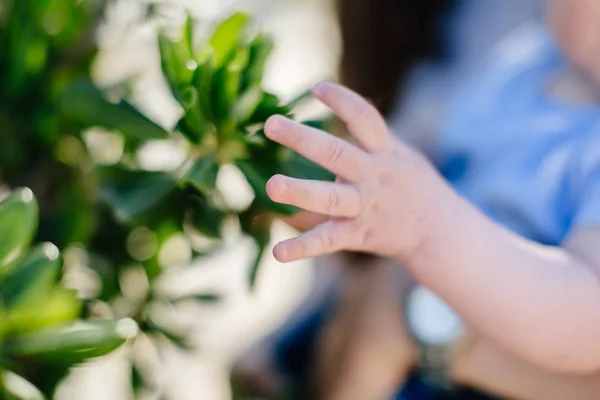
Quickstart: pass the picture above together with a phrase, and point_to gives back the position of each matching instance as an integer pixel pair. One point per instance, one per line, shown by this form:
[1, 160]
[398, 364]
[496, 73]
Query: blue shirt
[528, 161]
[469, 32]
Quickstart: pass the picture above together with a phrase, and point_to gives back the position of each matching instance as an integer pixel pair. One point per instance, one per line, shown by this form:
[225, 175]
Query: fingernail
[319, 88]
[280, 253]
[272, 126]
[276, 186]
[282, 184]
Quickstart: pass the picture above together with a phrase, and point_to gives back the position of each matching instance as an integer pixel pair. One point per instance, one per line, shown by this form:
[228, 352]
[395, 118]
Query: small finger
[332, 153]
[324, 239]
[326, 198]
[364, 122]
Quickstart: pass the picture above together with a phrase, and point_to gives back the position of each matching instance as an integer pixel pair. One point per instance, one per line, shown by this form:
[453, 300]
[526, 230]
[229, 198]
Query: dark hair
[382, 40]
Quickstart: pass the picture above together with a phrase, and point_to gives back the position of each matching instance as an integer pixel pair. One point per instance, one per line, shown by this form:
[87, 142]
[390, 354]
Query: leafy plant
[117, 215]
[218, 85]
[41, 335]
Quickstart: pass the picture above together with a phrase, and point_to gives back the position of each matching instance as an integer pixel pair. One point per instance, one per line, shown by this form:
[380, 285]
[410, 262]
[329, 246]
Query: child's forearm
[538, 302]
[478, 363]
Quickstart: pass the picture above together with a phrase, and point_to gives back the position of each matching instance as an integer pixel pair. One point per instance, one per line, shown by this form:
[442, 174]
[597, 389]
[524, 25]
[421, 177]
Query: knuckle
[333, 200]
[306, 194]
[326, 240]
[334, 152]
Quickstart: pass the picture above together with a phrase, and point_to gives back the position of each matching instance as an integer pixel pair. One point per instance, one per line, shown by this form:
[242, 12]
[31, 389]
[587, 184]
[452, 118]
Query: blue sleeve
[587, 178]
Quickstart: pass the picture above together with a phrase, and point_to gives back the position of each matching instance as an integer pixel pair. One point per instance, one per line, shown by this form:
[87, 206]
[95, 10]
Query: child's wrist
[438, 225]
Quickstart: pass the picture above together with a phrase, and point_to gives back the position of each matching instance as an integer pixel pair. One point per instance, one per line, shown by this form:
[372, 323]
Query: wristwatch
[434, 327]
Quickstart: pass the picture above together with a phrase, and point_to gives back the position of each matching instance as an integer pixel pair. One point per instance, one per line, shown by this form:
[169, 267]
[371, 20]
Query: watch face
[430, 319]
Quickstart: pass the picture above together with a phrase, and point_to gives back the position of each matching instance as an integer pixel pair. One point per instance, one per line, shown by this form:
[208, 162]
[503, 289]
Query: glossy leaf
[301, 98]
[203, 174]
[177, 63]
[256, 223]
[204, 217]
[226, 37]
[234, 76]
[246, 105]
[59, 307]
[268, 106]
[34, 278]
[262, 244]
[82, 102]
[133, 194]
[18, 223]
[193, 124]
[73, 344]
[226, 87]
[260, 49]
[297, 166]
[203, 82]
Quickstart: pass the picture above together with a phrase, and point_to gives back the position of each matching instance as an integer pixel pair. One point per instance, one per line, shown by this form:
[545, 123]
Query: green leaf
[188, 34]
[268, 106]
[82, 102]
[260, 49]
[226, 37]
[257, 176]
[302, 168]
[204, 217]
[302, 97]
[134, 194]
[228, 83]
[235, 71]
[76, 343]
[247, 104]
[138, 381]
[18, 223]
[177, 63]
[203, 175]
[34, 278]
[321, 124]
[255, 266]
[59, 307]
[257, 224]
[258, 140]
[194, 124]
[203, 81]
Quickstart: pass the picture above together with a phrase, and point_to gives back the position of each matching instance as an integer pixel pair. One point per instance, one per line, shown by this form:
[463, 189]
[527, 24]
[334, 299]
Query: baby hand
[387, 198]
